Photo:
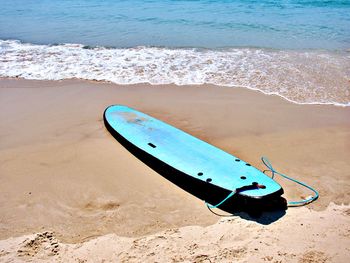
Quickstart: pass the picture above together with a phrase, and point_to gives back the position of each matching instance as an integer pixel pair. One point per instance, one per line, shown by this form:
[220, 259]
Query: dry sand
[61, 171]
[304, 236]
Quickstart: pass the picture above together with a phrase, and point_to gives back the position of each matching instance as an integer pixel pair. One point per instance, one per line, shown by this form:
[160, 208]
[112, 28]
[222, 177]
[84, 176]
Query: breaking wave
[301, 76]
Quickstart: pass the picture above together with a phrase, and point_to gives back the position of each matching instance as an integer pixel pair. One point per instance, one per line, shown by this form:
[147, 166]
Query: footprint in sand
[43, 244]
[101, 205]
[313, 257]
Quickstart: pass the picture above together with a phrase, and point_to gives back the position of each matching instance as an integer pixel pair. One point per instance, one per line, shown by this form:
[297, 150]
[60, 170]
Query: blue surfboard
[175, 152]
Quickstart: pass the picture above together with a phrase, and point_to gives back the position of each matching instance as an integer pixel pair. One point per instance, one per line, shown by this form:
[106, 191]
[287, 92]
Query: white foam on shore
[306, 77]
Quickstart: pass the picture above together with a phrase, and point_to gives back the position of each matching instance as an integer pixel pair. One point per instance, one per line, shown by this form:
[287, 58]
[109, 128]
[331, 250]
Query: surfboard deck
[182, 152]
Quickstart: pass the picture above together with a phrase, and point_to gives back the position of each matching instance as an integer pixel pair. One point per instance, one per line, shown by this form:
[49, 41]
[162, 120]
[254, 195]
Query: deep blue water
[296, 24]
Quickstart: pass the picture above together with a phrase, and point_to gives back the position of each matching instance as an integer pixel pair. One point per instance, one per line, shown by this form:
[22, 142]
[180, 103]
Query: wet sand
[61, 171]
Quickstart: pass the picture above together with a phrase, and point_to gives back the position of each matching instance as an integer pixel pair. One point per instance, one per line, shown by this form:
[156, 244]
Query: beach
[62, 175]
[253, 78]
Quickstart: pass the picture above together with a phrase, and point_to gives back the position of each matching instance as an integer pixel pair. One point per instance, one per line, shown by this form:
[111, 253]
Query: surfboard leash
[291, 203]
[270, 168]
[237, 190]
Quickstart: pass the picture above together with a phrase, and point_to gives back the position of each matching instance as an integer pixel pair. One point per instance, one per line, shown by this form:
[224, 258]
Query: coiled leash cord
[291, 203]
[273, 172]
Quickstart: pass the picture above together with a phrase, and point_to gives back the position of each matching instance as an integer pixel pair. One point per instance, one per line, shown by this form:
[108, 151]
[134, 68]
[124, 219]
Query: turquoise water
[295, 24]
[297, 49]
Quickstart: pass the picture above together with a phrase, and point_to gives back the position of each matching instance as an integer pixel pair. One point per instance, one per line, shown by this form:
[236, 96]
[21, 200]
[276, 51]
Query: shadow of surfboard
[262, 210]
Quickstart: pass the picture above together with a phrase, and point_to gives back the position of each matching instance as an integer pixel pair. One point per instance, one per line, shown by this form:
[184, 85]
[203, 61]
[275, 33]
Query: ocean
[297, 49]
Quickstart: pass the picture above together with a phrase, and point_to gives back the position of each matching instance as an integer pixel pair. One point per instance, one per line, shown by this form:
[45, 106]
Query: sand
[305, 236]
[62, 175]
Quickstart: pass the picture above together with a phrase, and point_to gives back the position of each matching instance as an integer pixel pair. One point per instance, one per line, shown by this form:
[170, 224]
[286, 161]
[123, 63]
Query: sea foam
[301, 76]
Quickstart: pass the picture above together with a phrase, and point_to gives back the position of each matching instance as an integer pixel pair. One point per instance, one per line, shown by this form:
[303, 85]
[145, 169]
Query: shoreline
[195, 85]
[299, 76]
[61, 170]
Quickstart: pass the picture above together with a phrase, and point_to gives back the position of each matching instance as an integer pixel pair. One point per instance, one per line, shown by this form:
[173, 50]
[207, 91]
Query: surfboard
[177, 153]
